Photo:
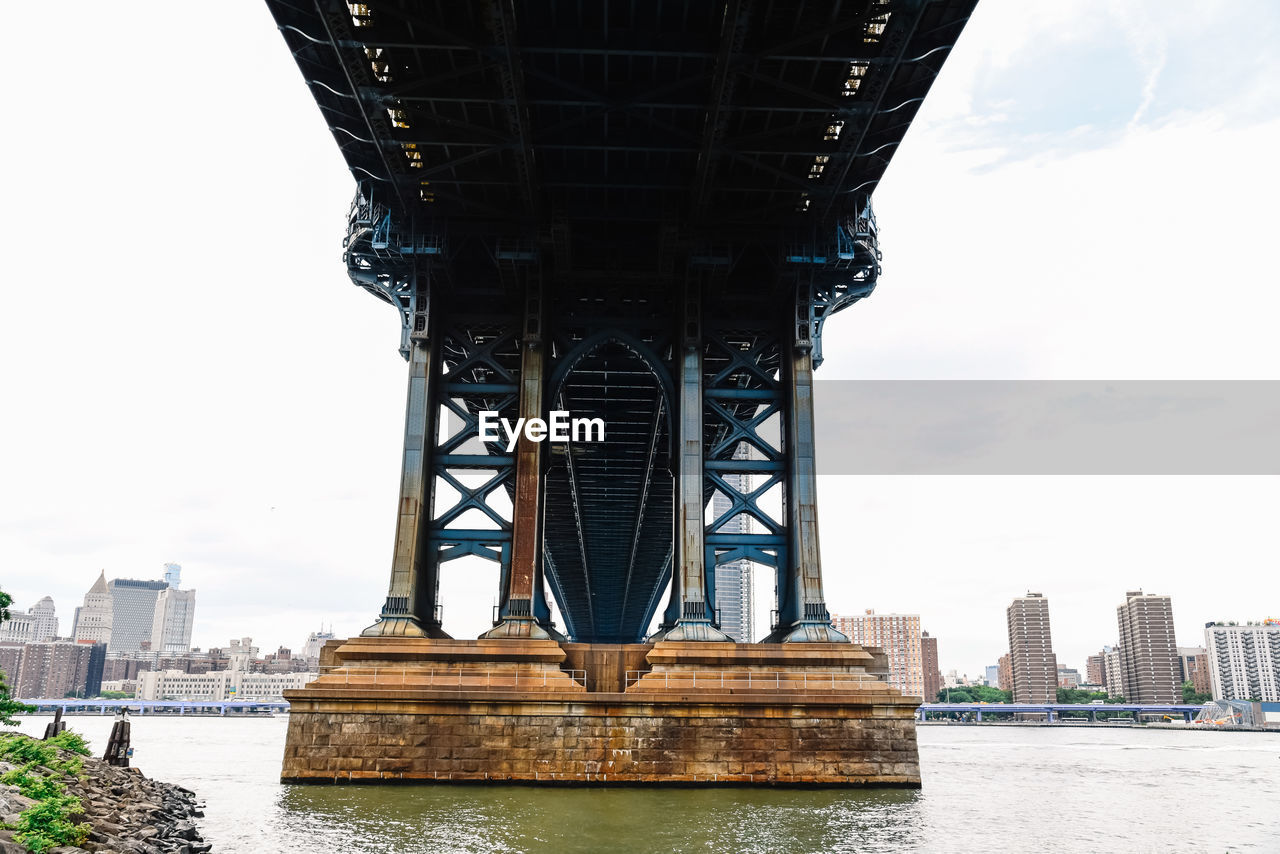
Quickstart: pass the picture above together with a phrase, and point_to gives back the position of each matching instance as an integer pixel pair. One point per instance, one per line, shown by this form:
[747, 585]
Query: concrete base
[425, 710]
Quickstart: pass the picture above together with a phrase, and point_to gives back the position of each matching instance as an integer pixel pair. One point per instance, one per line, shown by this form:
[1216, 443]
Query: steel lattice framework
[640, 210]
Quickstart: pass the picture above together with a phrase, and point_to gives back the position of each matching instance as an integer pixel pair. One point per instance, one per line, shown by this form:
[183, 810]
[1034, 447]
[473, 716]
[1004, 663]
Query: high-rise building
[37, 624]
[1095, 668]
[734, 580]
[54, 670]
[93, 618]
[1148, 651]
[991, 675]
[44, 621]
[311, 649]
[1032, 662]
[929, 664]
[1193, 667]
[1114, 671]
[1004, 677]
[899, 636]
[174, 617]
[173, 574]
[133, 610]
[1244, 661]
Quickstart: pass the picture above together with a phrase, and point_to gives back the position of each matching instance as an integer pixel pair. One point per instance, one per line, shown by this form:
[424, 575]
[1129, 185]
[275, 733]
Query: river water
[988, 788]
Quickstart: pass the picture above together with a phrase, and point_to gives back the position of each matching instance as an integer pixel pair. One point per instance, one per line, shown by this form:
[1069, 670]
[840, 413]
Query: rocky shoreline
[126, 812]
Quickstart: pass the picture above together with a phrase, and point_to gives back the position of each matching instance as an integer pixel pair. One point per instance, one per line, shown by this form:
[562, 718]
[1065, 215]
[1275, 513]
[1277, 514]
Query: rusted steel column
[410, 608]
[516, 617]
[689, 574]
[802, 608]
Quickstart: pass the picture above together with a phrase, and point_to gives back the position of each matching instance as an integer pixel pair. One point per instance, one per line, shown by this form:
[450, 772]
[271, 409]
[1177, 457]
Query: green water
[1008, 789]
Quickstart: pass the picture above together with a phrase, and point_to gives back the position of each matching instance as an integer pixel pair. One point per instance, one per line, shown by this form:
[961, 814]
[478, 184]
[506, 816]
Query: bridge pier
[410, 607]
[802, 609]
[540, 712]
[690, 572]
[523, 611]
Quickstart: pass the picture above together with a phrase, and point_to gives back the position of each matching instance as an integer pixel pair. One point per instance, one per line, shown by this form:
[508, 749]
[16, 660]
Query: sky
[1087, 194]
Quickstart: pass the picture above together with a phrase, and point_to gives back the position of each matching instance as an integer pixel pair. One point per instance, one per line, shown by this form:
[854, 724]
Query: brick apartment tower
[1032, 662]
[929, 663]
[1148, 652]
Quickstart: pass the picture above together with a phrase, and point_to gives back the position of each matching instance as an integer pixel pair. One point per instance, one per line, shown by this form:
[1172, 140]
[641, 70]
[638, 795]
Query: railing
[756, 680]
[451, 678]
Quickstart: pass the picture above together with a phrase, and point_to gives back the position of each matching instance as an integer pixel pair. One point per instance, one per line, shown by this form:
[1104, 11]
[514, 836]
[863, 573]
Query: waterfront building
[94, 618]
[173, 620]
[1031, 659]
[1004, 676]
[899, 636]
[133, 611]
[1244, 661]
[218, 685]
[991, 675]
[53, 669]
[1193, 667]
[1148, 650]
[734, 580]
[932, 673]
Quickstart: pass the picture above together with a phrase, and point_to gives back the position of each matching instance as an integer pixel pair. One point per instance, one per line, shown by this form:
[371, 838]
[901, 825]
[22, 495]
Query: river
[987, 788]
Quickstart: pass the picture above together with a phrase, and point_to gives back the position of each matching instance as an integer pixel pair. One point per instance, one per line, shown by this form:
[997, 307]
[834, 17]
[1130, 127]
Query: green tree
[1191, 697]
[8, 706]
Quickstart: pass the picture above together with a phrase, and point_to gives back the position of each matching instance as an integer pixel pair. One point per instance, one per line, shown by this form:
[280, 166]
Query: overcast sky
[189, 376]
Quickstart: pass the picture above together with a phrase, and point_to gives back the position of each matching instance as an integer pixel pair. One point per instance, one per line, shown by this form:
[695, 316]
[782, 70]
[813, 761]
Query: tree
[1191, 697]
[8, 706]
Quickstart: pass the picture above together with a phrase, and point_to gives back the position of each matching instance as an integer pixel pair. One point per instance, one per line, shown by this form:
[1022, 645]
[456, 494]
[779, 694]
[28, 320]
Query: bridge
[1055, 711]
[171, 707]
[643, 212]
[638, 212]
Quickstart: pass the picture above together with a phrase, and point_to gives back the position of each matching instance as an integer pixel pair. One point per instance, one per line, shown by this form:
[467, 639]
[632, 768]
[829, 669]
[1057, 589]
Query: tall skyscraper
[929, 666]
[1244, 661]
[44, 621]
[93, 618]
[133, 609]
[1004, 678]
[734, 587]
[1148, 651]
[173, 574]
[174, 617]
[899, 636]
[992, 675]
[1032, 662]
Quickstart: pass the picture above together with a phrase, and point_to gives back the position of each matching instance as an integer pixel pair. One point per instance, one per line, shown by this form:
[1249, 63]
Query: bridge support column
[689, 569]
[410, 607]
[802, 608]
[523, 611]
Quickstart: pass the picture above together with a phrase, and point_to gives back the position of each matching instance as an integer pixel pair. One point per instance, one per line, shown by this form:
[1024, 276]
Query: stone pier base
[423, 710]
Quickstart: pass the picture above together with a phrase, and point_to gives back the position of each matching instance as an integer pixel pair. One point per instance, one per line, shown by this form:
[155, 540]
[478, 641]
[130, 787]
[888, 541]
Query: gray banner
[1042, 427]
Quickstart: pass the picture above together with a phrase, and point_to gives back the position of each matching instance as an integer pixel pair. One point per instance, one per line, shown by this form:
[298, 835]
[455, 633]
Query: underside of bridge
[641, 211]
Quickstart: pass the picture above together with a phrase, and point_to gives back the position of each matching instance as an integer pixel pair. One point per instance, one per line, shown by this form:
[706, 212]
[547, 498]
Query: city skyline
[203, 457]
[975, 671]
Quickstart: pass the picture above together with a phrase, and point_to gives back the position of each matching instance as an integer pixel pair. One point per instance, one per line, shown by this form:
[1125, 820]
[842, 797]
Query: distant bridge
[1053, 711]
[171, 707]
